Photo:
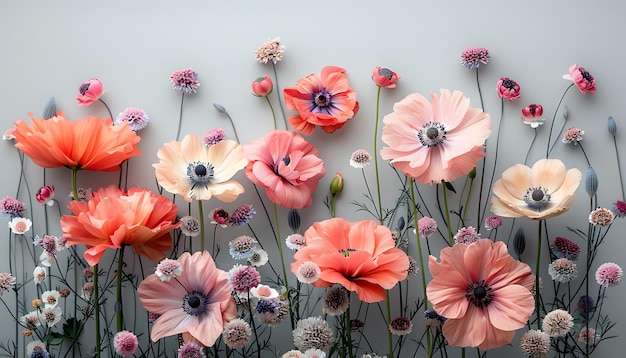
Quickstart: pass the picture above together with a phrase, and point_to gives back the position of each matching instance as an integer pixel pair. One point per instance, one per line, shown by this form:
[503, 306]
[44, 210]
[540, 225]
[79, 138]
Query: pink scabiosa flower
[581, 78]
[136, 118]
[12, 207]
[213, 136]
[335, 301]
[190, 226]
[45, 194]
[493, 222]
[609, 274]
[426, 227]
[313, 332]
[308, 272]
[89, 92]
[270, 51]
[326, 101]
[125, 343]
[573, 135]
[466, 235]
[531, 115]
[185, 80]
[508, 89]
[7, 281]
[241, 247]
[263, 292]
[258, 258]
[20, 226]
[557, 323]
[482, 291]
[619, 209]
[535, 344]
[242, 215]
[262, 86]
[435, 142]
[472, 57]
[601, 217]
[588, 335]
[168, 269]
[236, 333]
[384, 77]
[562, 270]
[401, 326]
[243, 278]
[295, 241]
[286, 166]
[202, 291]
[360, 158]
[564, 248]
[190, 350]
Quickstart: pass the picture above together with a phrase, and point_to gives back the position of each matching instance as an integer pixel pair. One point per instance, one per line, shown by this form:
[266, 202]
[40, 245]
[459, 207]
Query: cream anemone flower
[196, 172]
[543, 191]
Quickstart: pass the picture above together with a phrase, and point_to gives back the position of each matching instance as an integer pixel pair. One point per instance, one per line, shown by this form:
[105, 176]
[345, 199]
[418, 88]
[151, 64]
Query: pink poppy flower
[508, 89]
[90, 91]
[198, 302]
[531, 115]
[326, 101]
[360, 256]
[262, 86]
[482, 291]
[286, 166]
[434, 142]
[384, 77]
[581, 78]
[45, 194]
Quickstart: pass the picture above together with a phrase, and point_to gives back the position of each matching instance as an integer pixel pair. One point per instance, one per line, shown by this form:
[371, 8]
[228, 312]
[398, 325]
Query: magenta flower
[220, 217]
[384, 77]
[136, 118]
[581, 78]
[90, 91]
[185, 80]
[493, 222]
[262, 86]
[12, 207]
[125, 343]
[242, 215]
[508, 89]
[243, 278]
[213, 136]
[531, 115]
[609, 274]
[472, 57]
[45, 194]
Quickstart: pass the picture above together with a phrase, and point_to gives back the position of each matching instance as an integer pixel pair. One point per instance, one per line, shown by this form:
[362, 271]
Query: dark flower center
[322, 99]
[479, 294]
[286, 160]
[385, 72]
[537, 198]
[586, 75]
[200, 172]
[346, 252]
[83, 88]
[195, 303]
[508, 83]
[432, 134]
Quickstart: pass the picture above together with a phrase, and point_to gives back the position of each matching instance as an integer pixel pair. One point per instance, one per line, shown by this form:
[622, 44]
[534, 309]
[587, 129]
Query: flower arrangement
[433, 254]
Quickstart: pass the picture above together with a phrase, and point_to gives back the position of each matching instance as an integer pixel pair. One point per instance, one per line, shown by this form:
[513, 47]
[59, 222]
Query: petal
[511, 308]
[447, 294]
[469, 331]
[548, 173]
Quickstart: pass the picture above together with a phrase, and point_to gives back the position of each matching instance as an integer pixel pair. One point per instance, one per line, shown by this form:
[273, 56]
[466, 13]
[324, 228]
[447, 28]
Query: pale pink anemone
[435, 142]
[326, 101]
[482, 291]
[198, 302]
[196, 172]
[543, 191]
[286, 166]
[581, 78]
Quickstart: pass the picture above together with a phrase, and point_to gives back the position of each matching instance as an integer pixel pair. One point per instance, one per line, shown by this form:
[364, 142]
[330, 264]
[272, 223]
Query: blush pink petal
[470, 331]
[504, 312]
[496, 338]
[449, 294]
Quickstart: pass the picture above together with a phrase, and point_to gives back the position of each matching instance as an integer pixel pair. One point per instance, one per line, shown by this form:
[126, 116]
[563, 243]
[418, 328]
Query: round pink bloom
[198, 302]
[136, 118]
[45, 194]
[531, 115]
[466, 235]
[609, 274]
[125, 343]
[286, 166]
[243, 278]
[426, 226]
[434, 142]
[185, 80]
[384, 77]
[581, 78]
[262, 86]
[482, 291]
[213, 136]
[508, 89]
[473, 56]
[90, 91]
[326, 101]
[493, 222]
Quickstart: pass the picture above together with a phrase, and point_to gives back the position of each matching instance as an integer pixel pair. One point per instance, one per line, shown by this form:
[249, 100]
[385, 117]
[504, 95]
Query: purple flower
[136, 118]
[242, 215]
[185, 80]
[12, 207]
[213, 136]
[472, 57]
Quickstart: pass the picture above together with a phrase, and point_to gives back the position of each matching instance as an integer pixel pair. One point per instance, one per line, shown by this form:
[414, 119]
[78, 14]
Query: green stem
[279, 243]
[201, 214]
[380, 205]
[469, 195]
[180, 116]
[537, 268]
[332, 205]
[119, 307]
[96, 294]
[447, 214]
[389, 336]
[267, 98]
[348, 324]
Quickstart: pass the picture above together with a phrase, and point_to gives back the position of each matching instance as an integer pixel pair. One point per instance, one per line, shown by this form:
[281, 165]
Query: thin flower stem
[585, 154]
[96, 294]
[467, 199]
[279, 243]
[348, 323]
[447, 214]
[480, 93]
[180, 115]
[537, 268]
[619, 167]
[107, 107]
[380, 206]
[332, 205]
[495, 159]
[256, 336]
[119, 307]
[232, 124]
[389, 336]
[280, 102]
[530, 146]
[267, 98]
[549, 148]
[201, 215]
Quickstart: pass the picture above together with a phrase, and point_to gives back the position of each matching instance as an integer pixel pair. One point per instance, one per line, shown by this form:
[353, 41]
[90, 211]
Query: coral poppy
[434, 142]
[543, 191]
[360, 256]
[91, 143]
[89, 92]
[482, 291]
[198, 302]
[326, 101]
[112, 218]
[286, 166]
[196, 172]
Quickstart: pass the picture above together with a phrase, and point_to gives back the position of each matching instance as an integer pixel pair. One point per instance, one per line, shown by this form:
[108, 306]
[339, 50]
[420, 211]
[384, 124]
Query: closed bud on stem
[336, 185]
[612, 126]
[591, 181]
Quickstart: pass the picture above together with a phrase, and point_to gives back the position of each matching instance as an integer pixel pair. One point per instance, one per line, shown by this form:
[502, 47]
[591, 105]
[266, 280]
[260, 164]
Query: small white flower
[50, 298]
[19, 225]
[34, 345]
[50, 316]
[39, 274]
[258, 258]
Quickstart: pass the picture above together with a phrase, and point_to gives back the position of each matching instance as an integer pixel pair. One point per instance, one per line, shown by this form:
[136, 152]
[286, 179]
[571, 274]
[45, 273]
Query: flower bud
[612, 126]
[565, 112]
[45, 194]
[89, 92]
[336, 185]
[293, 219]
[384, 77]
[519, 242]
[531, 115]
[400, 224]
[472, 173]
[50, 110]
[262, 86]
[591, 181]
[219, 108]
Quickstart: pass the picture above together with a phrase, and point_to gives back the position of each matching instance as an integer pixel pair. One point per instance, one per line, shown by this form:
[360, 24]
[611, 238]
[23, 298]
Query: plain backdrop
[49, 48]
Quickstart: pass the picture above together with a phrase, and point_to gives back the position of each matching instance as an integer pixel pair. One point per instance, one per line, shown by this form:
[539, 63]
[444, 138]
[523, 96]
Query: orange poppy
[91, 143]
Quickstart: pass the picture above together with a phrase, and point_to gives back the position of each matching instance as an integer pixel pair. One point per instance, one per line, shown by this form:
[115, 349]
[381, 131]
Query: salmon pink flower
[196, 172]
[91, 143]
[286, 166]
[384, 77]
[360, 256]
[581, 78]
[198, 302]
[434, 142]
[262, 86]
[531, 115]
[113, 218]
[90, 91]
[45, 194]
[482, 291]
[543, 191]
[508, 89]
[326, 101]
